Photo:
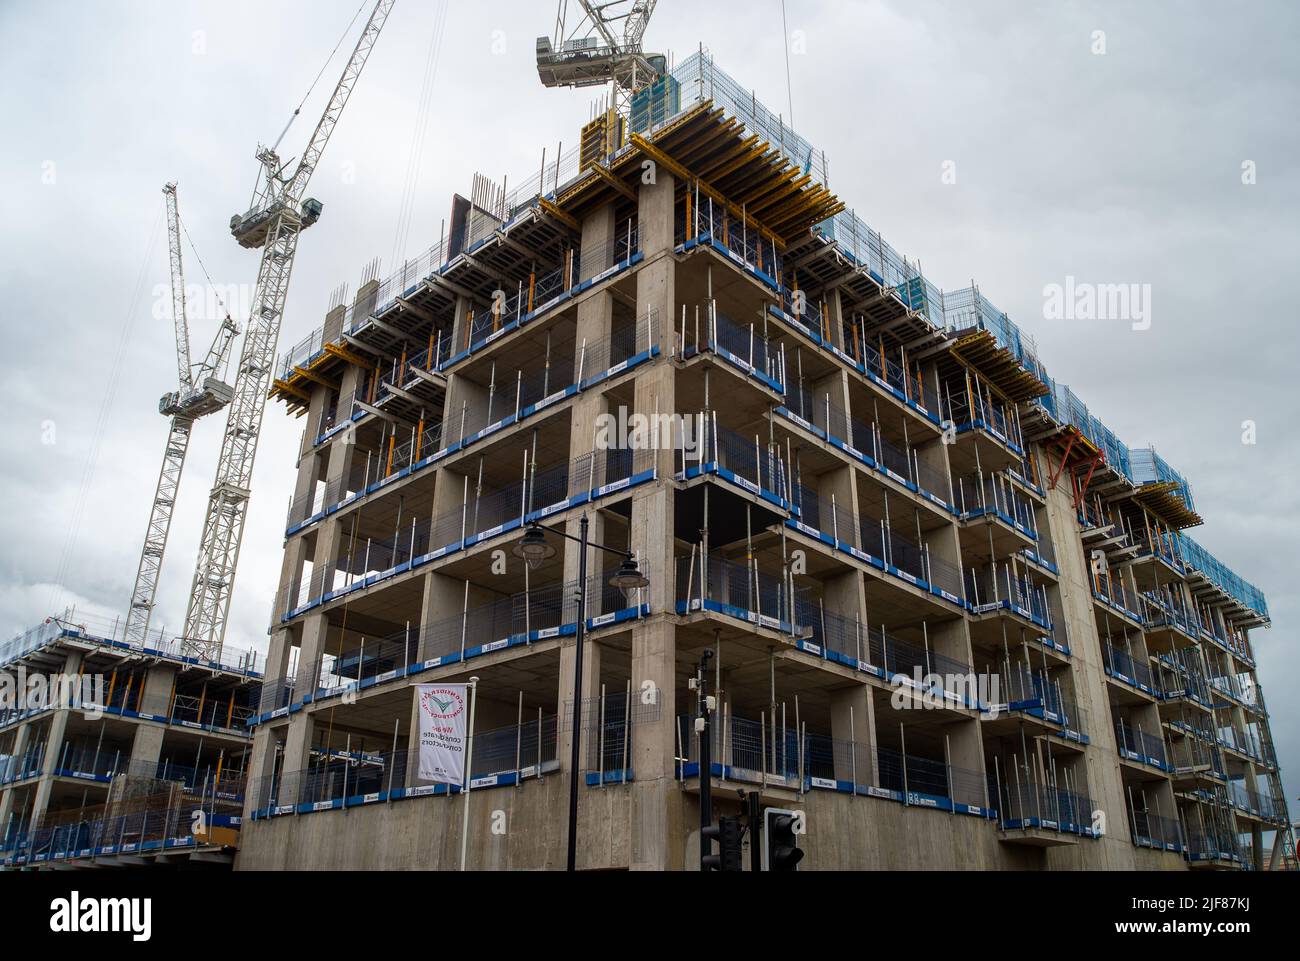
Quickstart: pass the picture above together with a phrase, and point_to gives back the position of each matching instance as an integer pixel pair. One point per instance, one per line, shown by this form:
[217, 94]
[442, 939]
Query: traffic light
[708, 860]
[729, 834]
[781, 850]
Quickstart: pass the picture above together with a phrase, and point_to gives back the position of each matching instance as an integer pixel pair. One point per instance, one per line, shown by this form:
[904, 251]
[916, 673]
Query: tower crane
[199, 393]
[602, 46]
[277, 215]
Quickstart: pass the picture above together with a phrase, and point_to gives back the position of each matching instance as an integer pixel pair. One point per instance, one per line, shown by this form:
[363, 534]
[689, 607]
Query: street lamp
[534, 548]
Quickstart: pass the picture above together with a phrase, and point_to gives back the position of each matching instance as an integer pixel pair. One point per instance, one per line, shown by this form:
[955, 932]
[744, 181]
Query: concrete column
[156, 696]
[944, 545]
[332, 542]
[653, 544]
[853, 718]
[1104, 783]
[951, 639]
[146, 749]
[265, 738]
[338, 464]
[460, 326]
[353, 378]
[655, 214]
[594, 323]
[838, 487]
[308, 473]
[298, 742]
[655, 279]
[655, 814]
[413, 742]
[277, 657]
[291, 571]
[655, 391]
[594, 318]
[597, 242]
[843, 596]
[8, 795]
[835, 318]
[966, 751]
[597, 560]
[334, 324]
[654, 395]
[53, 747]
[315, 629]
[593, 328]
[320, 396]
[444, 597]
[295, 549]
[834, 386]
[451, 492]
[933, 454]
[261, 766]
[591, 657]
[363, 305]
[467, 403]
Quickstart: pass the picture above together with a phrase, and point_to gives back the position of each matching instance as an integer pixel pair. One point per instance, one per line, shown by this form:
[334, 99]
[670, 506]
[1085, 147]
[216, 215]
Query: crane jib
[275, 227]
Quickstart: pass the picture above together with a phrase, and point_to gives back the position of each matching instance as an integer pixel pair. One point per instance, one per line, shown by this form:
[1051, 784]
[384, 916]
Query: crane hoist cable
[211, 284]
[419, 134]
[789, 87]
[321, 73]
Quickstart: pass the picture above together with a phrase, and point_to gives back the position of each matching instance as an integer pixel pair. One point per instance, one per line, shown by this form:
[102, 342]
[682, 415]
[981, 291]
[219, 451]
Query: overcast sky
[1122, 166]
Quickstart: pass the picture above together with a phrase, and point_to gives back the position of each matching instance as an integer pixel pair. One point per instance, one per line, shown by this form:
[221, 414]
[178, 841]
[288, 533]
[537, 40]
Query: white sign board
[443, 709]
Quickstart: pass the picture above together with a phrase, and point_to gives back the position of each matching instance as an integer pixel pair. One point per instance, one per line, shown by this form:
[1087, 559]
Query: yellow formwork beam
[351, 356]
[679, 171]
[751, 149]
[284, 387]
[565, 218]
[613, 181]
[786, 184]
[316, 378]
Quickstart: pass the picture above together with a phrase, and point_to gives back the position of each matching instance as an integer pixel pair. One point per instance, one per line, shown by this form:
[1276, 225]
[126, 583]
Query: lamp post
[534, 549]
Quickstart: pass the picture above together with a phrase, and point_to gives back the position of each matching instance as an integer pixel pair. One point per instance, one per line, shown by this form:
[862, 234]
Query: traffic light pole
[707, 830]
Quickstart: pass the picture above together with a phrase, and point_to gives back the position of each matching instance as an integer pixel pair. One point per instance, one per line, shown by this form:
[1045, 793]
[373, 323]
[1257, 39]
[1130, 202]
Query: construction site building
[954, 619]
[117, 752]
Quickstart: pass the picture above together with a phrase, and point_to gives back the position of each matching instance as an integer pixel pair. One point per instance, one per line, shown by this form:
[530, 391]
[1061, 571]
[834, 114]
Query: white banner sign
[443, 710]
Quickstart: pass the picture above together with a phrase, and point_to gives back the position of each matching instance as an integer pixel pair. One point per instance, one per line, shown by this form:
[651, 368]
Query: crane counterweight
[250, 229]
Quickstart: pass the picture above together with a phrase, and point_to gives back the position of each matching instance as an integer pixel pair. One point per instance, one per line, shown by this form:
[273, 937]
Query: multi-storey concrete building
[117, 752]
[954, 619]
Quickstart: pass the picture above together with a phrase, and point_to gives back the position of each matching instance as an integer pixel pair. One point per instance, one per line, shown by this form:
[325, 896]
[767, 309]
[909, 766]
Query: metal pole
[469, 772]
[575, 753]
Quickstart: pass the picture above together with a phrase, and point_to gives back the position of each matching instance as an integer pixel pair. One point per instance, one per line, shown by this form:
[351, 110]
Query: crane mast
[274, 224]
[184, 406]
